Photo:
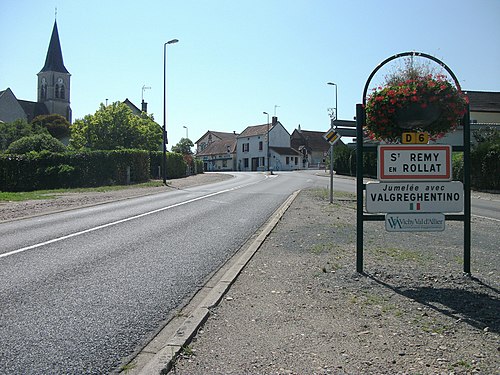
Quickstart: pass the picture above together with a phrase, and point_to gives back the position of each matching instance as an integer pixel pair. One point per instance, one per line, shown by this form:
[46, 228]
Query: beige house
[217, 150]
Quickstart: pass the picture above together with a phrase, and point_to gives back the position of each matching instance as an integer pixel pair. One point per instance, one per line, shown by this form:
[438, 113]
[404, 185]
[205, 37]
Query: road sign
[332, 136]
[415, 138]
[414, 197]
[424, 222]
[414, 162]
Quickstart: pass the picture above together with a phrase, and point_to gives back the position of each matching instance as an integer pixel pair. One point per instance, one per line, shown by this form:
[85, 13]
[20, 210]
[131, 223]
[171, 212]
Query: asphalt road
[84, 289]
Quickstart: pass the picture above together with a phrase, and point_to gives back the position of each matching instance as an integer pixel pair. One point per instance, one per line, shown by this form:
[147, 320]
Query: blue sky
[236, 59]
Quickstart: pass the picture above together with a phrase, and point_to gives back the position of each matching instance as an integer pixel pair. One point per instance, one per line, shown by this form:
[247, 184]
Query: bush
[37, 143]
[46, 170]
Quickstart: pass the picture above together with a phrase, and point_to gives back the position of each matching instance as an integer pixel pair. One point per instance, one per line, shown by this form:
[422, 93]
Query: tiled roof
[484, 101]
[33, 109]
[285, 150]
[252, 131]
[220, 135]
[313, 140]
[219, 147]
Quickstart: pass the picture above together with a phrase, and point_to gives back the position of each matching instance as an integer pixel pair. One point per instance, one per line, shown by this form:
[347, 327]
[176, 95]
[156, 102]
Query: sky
[236, 59]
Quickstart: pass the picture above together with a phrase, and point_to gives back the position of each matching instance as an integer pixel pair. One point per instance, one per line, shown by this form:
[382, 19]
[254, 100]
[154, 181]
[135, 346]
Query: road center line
[118, 222]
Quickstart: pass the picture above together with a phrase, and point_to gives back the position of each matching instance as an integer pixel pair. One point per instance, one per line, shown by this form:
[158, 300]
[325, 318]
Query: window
[261, 146]
[224, 163]
[245, 163]
[296, 160]
[287, 160]
[245, 147]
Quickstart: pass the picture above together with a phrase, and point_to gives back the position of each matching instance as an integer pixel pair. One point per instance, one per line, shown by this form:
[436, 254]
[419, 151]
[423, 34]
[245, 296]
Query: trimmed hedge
[46, 170]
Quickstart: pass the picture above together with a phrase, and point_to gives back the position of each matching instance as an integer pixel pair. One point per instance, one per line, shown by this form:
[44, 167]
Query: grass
[51, 194]
[398, 254]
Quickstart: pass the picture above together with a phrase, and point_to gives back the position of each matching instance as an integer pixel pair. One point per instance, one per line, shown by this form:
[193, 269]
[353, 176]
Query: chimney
[144, 106]
[275, 120]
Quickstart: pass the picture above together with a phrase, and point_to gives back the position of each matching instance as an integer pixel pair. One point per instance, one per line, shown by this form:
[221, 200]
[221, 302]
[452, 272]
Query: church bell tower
[54, 80]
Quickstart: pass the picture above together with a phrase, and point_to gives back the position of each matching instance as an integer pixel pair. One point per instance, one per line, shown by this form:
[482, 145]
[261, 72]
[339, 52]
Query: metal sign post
[332, 137]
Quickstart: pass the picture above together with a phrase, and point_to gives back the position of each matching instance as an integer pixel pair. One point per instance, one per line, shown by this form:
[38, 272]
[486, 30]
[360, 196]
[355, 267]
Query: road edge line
[162, 361]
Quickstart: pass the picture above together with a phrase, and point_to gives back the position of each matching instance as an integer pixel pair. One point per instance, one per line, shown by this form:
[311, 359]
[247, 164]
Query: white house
[255, 153]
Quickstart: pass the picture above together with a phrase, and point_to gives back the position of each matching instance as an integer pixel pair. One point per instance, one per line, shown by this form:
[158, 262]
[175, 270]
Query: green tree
[115, 127]
[12, 131]
[183, 147]
[57, 125]
[37, 142]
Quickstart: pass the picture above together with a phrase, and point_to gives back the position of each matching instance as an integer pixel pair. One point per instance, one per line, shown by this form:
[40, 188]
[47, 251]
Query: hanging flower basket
[429, 104]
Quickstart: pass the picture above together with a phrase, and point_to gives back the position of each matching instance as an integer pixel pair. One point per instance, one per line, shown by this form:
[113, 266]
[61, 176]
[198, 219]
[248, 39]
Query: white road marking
[118, 222]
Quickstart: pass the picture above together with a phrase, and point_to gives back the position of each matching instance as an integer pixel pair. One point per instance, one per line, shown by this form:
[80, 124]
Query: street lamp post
[331, 146]
[268, 154]
[185, 127]
[165, 139]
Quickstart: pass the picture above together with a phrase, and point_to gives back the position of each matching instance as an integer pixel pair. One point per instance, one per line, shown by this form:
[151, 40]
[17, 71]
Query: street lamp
[331, 146]
[185, 127]
[268, 154]
[336, 108]
[165, 139]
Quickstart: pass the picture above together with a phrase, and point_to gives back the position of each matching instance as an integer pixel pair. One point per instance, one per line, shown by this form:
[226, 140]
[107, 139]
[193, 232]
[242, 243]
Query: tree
[57, 125]
[38, 142]
[115, 127]
[12, 131]
[183, 147]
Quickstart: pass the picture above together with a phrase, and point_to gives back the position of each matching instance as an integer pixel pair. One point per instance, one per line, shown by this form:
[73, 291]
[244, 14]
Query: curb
[160, 361]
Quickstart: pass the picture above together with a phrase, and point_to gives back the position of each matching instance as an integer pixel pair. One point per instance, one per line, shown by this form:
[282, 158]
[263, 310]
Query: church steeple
[54, 60]
[54, 80]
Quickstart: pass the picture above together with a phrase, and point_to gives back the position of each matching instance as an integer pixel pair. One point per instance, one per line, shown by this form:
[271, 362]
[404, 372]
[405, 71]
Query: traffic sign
[414, 197]
[332, 136]
[415, 138]
[414, 162]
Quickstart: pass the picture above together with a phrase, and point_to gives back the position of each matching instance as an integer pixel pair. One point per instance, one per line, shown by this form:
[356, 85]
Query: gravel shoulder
[67, 201]
[299, 307]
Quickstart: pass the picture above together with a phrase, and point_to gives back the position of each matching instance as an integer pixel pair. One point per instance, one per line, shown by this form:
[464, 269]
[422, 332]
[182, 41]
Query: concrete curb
[160, 361]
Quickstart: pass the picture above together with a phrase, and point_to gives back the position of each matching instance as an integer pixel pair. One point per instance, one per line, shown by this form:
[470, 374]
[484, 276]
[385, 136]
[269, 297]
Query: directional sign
[332, 136]
[414, 162]
[424, 222]
[414, 197]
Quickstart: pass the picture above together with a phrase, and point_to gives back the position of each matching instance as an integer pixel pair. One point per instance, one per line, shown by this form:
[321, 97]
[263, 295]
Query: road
[83, 289]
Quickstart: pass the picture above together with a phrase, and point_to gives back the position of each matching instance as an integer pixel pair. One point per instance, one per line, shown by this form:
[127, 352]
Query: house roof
[285, 151]
[220, 135]
[484, 101]
[254, 130]
[219, 147]
[33, 109]
[313, 140]
[54, 60]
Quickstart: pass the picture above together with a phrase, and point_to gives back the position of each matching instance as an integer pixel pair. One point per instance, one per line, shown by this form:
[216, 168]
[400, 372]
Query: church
[53, 90]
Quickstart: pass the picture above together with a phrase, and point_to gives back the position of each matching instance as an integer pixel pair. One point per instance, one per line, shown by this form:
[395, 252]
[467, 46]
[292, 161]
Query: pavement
[160, 354]
[290, 302]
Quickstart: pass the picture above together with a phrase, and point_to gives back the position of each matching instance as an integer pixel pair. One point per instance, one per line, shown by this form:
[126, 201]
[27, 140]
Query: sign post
[332, 137]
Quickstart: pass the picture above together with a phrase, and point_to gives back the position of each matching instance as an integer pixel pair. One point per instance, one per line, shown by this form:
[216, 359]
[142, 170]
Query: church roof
[54, 60]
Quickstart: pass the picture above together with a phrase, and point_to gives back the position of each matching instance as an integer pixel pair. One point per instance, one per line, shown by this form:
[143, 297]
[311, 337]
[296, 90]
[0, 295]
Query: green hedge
[345, 161]
[176, 166]
[46, 170]
[484, 166]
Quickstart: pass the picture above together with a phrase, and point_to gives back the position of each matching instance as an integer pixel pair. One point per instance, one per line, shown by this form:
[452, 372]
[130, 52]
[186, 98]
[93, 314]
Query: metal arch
[403, 54]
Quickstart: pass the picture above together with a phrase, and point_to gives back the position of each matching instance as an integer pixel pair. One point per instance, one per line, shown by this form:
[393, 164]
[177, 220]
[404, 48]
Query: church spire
[54, 60]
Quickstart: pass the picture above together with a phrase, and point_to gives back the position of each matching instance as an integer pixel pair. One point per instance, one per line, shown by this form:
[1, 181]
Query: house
[313, 147]
[53, 92]
[217, 150]
[266, 147]
[484, 111]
